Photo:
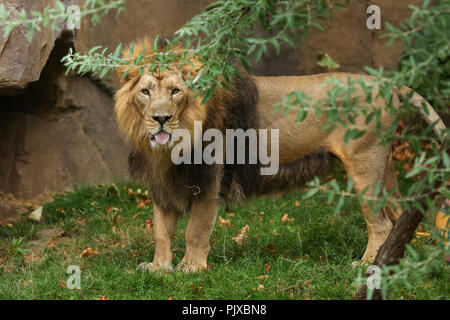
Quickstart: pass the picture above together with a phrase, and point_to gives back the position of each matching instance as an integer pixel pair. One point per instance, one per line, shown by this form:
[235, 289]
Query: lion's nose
[161, 119]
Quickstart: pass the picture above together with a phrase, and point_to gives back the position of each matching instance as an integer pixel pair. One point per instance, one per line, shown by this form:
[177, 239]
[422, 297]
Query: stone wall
[57, 130]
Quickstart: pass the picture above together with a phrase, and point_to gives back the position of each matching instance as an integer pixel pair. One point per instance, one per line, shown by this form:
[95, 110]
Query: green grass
[309, 258]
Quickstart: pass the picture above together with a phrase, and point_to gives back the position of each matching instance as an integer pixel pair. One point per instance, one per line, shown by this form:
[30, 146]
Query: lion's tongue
[162, 137]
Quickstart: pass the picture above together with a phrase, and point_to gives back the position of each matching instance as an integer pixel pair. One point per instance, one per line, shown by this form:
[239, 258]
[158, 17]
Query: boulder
[21, 62]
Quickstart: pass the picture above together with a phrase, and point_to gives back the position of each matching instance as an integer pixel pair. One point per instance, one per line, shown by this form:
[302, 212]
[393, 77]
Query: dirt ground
[13, 210]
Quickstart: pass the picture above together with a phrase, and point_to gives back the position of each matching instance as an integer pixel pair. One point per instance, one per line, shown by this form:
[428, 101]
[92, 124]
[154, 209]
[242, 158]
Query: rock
[21, 62]
[58, 132]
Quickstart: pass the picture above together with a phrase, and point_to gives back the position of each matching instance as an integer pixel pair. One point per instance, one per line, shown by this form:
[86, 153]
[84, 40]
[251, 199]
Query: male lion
[150, 106]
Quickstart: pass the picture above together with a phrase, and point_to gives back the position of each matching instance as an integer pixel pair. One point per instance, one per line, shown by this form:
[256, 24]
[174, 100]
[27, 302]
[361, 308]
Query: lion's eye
[175, 90]
[145, 91]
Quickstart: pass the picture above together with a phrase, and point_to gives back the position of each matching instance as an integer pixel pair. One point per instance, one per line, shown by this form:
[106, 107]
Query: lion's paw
[190, 267]
[153, 267]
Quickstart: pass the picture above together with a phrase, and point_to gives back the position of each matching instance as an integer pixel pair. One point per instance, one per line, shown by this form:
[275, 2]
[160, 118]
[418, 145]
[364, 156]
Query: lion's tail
[425, 109]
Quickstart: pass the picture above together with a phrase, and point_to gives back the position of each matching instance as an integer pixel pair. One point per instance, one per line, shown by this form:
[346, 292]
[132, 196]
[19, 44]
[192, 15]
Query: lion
[150, 106]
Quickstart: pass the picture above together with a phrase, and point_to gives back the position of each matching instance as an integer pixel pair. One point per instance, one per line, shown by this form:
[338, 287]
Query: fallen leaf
[36, 214]
[136, 215]
[88, 252]
[297, 203]
[271, 247]
[224, 222]
[134, 254]
[195, 288]
[261, 287]
[423, 234]
[62, 283]
[103, 298]
[81, 222]
[285, 218]
[144, 203]
[149, 225]
[267, 267]
[110, 209]
[231, 214]
[242, 235]
[52, 241]
[261, 213]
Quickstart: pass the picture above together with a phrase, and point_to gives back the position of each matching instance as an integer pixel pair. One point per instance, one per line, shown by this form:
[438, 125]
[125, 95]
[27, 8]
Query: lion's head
[151, 106]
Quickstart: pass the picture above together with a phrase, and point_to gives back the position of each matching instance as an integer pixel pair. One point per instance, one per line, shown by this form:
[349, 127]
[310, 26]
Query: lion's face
[160, 99]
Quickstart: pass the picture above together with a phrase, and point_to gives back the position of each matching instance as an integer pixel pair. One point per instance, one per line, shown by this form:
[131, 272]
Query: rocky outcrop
[57, 130]
[21, 62]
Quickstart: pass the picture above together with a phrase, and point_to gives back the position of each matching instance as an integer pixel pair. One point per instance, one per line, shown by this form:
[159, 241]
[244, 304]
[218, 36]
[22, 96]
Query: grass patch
[308, 257]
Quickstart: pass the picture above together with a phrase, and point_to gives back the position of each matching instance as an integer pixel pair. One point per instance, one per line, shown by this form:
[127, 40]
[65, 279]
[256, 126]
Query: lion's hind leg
[367, 169]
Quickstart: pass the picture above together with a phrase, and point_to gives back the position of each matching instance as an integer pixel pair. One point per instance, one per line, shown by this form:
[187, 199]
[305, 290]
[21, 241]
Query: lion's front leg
[201, 222]
[164, 223]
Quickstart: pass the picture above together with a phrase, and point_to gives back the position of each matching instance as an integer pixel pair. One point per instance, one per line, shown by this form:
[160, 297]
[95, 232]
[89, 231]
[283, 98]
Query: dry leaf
[261, 287]
[261, 213]
[144, 203]
[88, 252]
[136, 215]
[271, 247]
[149, 225]
[267, 267]
[231, 214]
[103, 298]
[134, 254]
[285, 218]
[36, 214]
[307, 283]
[242, 235]
[62, 283]
[224, 222]
[297, 203]
[195, 288]
[81, 222]
[423, 234]
[110, 209]
[52, 241]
